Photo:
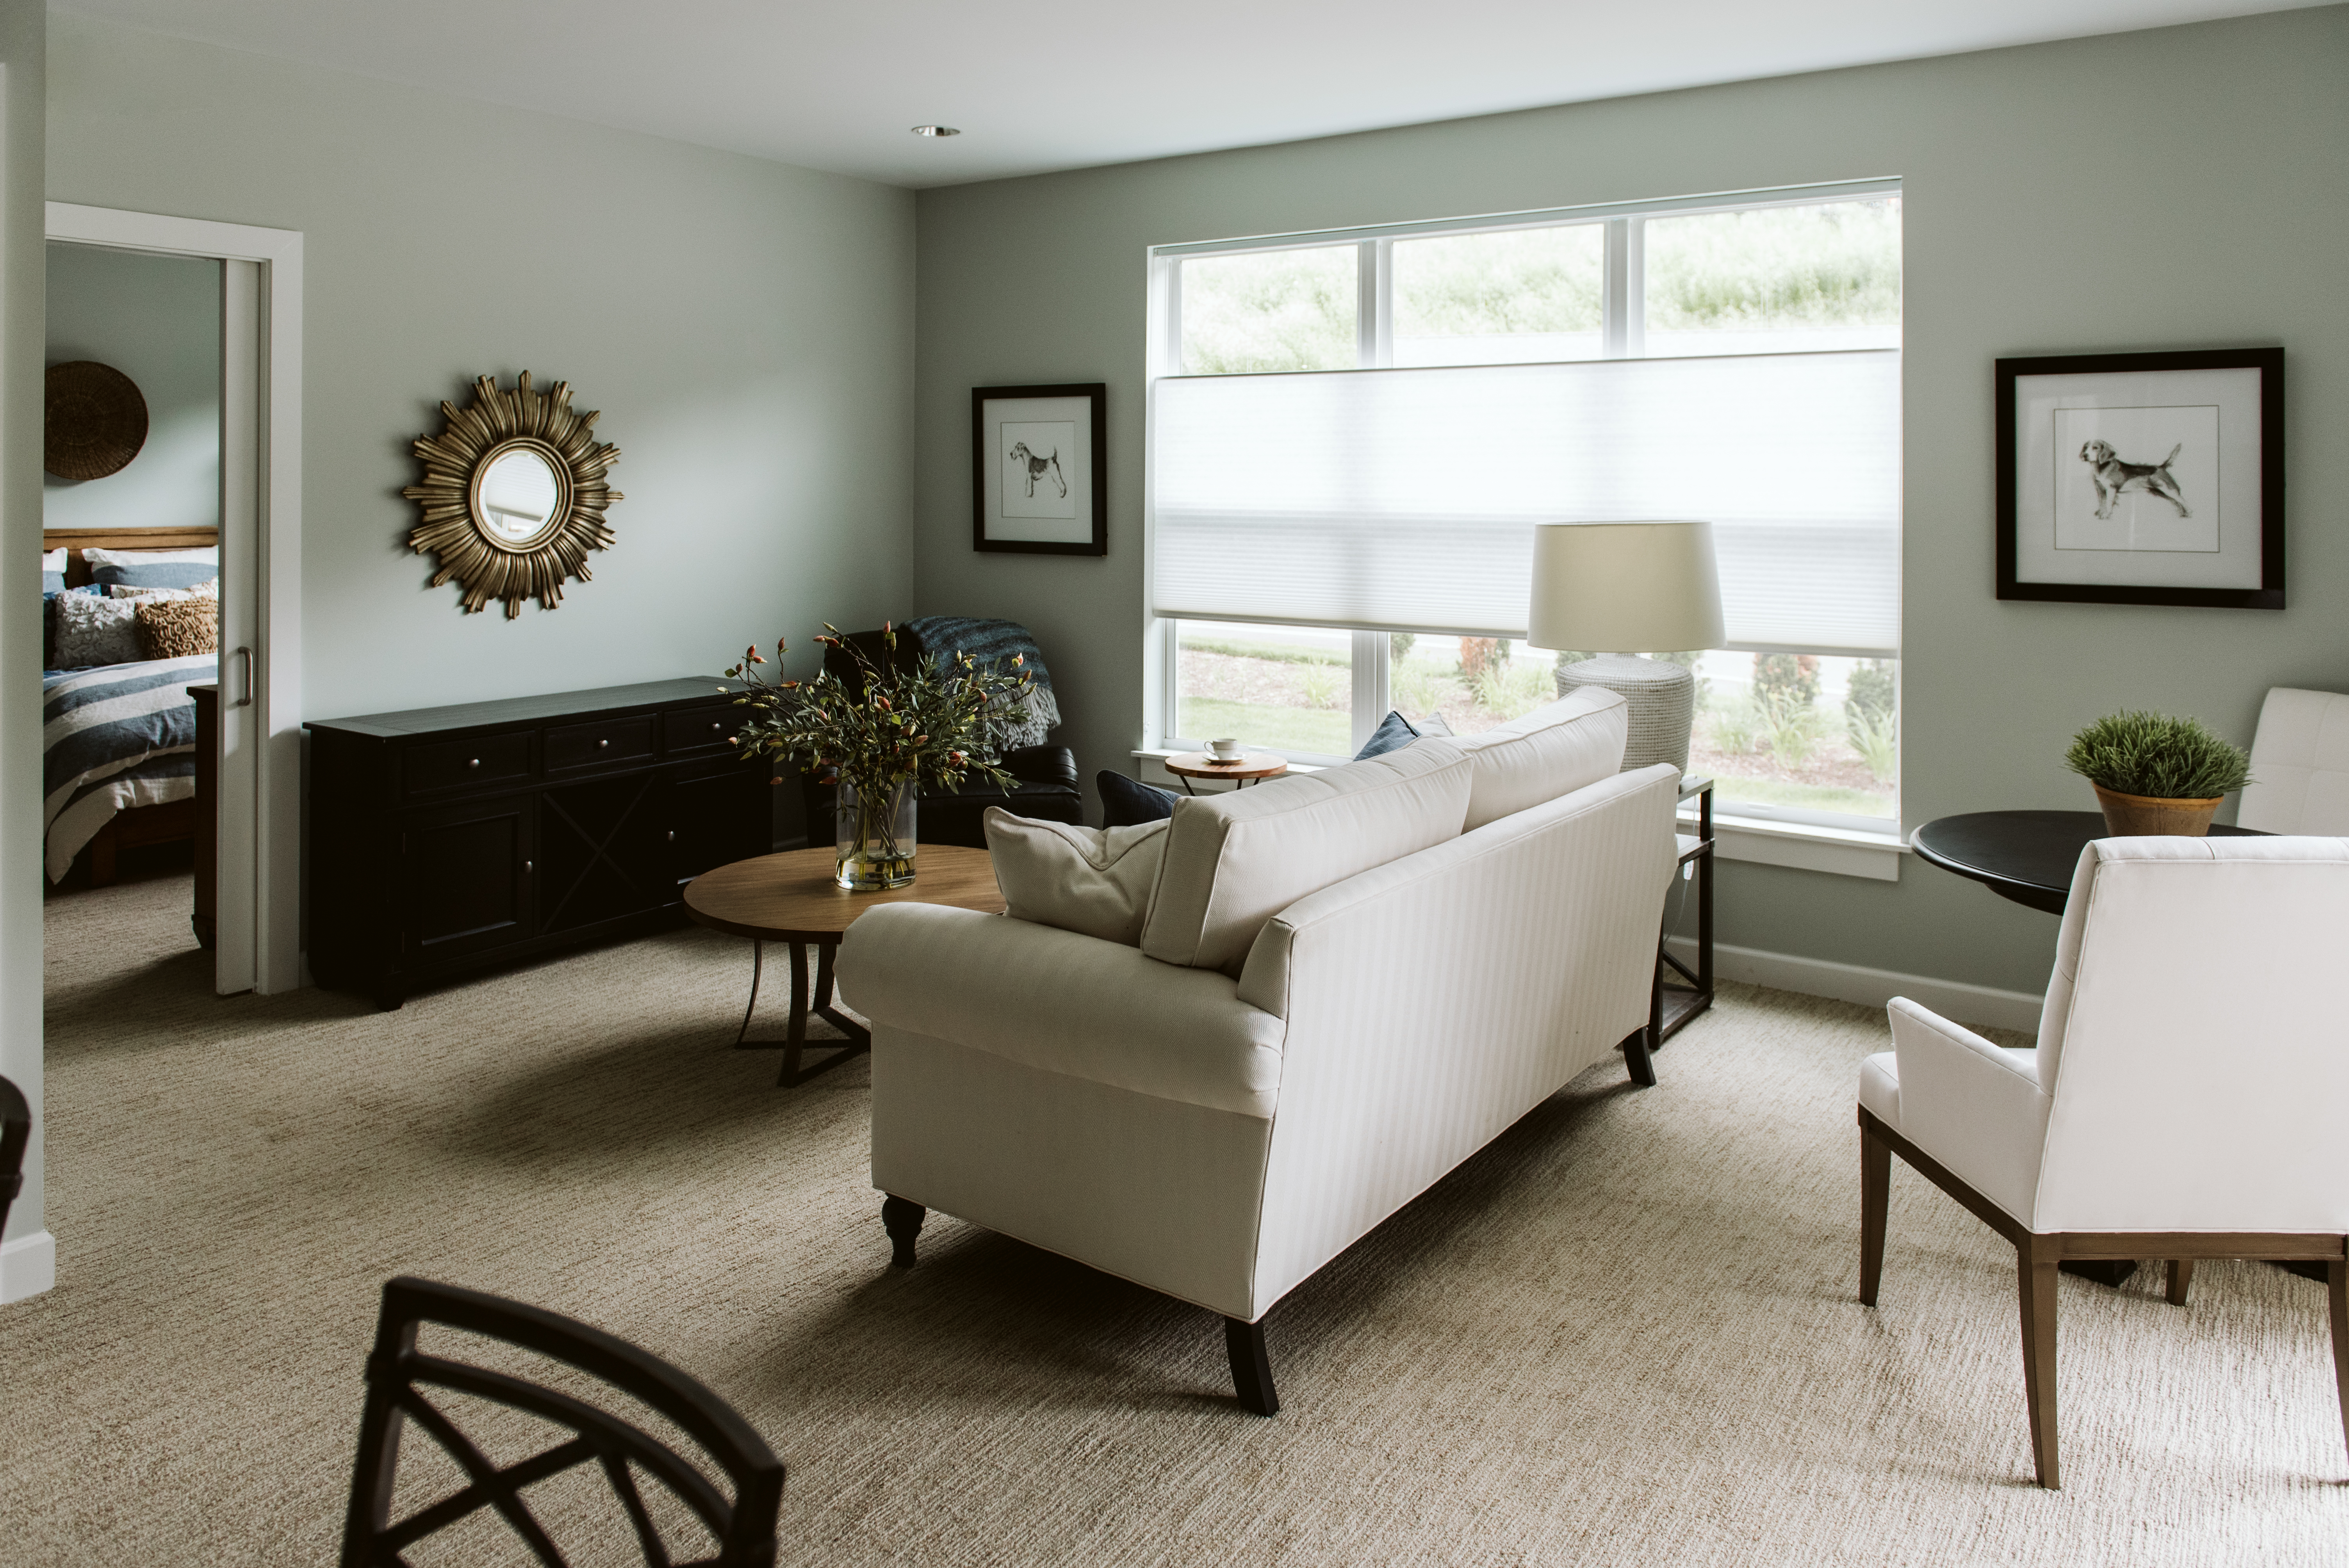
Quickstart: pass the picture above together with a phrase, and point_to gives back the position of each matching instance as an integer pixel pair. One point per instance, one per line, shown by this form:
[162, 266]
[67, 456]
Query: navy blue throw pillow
[1128, 803]
[1394, 732]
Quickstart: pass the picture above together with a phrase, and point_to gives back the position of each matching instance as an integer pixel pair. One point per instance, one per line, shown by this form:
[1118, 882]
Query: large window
[1351, 435]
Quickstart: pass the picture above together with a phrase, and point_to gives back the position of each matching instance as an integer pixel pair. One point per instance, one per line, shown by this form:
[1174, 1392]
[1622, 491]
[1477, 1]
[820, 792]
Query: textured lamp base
[1662, 699]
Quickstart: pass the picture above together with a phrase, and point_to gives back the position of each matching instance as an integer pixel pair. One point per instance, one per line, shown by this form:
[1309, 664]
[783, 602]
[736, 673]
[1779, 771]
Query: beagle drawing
[1033, 468]
[2113, 476]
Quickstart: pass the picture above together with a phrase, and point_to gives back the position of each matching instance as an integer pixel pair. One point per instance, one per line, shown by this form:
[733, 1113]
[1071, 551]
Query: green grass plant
[1279, 653]
[1317, 732]
[2151, 754]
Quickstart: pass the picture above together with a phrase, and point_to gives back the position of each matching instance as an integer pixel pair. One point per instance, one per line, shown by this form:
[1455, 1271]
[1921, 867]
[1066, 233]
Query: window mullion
[1370, 698]
[1635, 287]
[1615, 309]
[1373, 310]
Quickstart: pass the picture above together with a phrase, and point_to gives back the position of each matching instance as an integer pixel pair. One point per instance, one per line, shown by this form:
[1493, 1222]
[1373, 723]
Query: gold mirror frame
[454, 529]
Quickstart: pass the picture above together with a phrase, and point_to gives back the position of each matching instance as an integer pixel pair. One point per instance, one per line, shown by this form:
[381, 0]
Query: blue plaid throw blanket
[993, 644]
[114, 737]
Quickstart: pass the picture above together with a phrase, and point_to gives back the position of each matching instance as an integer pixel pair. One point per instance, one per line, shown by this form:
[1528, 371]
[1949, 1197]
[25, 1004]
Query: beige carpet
[1623, 1333]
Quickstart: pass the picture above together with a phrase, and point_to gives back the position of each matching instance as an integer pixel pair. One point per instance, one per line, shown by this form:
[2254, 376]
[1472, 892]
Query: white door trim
[276, 662]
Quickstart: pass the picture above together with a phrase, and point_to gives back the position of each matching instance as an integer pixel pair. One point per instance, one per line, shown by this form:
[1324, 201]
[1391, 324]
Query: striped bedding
[113, 738]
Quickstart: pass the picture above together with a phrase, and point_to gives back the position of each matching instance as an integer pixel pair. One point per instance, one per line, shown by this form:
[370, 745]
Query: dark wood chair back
[398, 1375]
[15, 1131]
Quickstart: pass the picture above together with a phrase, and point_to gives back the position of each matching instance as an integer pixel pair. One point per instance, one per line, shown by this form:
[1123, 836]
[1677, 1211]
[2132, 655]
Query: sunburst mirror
[513, 495]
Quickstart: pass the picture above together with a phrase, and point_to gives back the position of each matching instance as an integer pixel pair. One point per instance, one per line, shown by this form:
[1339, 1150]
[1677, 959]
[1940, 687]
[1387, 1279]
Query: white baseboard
[28, 1265]
[1983, 1006]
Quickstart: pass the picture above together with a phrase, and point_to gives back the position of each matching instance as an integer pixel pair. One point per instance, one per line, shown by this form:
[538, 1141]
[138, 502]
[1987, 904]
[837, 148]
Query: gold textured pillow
[179, 628]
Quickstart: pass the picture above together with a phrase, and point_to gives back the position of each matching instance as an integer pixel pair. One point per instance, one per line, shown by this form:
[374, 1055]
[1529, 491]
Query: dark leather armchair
[1044, 777]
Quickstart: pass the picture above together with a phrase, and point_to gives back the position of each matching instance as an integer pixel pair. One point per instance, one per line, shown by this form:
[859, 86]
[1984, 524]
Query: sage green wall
[2186, 187]
[745, 327]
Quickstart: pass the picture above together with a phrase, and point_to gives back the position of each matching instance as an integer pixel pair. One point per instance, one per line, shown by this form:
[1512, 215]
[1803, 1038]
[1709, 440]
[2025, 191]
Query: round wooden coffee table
[792, 898]
[1252, 769]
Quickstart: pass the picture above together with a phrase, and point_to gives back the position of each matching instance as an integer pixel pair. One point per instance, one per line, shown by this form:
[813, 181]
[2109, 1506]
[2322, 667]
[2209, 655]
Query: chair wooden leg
[2181, 1280]
[2037, 1275]
[1251, 1367]
[2336, 1285]
[1875, 1193]
[903, 1220]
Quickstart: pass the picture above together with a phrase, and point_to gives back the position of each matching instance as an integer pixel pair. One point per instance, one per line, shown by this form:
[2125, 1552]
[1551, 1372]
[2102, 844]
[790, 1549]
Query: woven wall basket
[97, 421]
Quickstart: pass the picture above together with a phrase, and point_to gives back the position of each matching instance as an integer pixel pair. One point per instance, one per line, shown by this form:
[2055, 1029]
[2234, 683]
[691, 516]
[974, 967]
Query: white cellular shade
[1404, 500]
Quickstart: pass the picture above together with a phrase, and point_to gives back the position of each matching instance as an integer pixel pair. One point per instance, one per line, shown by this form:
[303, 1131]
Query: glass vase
[872, 837]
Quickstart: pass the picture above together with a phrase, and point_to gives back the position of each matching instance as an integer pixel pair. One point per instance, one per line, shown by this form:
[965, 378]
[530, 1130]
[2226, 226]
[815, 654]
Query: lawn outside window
[1805, 731]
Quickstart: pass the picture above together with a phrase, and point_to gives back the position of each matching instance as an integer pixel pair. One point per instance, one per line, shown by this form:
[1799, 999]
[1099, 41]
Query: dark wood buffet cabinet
[448, 840]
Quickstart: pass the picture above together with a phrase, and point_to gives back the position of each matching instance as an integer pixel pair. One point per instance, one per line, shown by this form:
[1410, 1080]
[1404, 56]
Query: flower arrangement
[883, 733]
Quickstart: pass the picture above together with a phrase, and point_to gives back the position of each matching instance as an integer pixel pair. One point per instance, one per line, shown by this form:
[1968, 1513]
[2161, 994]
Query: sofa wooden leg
[1875, 1194]
[2036, 1276]
[1251, 1367]
[903, 1220]
[2336, 1286]
[2181, 1280]
[1636, 1058]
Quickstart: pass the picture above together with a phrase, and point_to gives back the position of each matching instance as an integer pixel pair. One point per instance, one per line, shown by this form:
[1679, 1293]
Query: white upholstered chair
[2134, 1127]
[2299, 764]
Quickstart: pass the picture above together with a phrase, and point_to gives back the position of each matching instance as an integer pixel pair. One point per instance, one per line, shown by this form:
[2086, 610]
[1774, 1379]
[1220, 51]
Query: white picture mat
[2212, 416]
[1048, 519]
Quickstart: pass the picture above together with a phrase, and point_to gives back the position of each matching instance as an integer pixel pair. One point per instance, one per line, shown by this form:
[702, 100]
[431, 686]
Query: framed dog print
[2142, 478]
[1039, 483]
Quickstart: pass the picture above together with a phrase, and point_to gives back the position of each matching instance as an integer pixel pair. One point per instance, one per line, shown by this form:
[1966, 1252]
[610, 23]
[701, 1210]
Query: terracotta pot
[2144, 816]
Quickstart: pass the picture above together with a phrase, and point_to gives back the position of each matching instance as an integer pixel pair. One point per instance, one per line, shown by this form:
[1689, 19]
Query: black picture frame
[2013, 581]
[1077, 534]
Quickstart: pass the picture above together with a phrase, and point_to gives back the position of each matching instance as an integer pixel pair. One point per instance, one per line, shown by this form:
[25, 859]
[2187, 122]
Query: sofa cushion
[1129, 802]
[1550, 752]
[1096, 880]
[1235, 860]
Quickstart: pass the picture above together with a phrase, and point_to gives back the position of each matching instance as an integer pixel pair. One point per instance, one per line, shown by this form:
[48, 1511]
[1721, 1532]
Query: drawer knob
[719, 724]
[672, 835]
[476, 762]
[602, 744]
[525, 868]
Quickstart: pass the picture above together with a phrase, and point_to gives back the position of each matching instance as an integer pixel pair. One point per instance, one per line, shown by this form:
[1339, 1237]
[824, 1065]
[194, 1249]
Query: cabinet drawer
[701, 731]
[462, 764]
[571, 745]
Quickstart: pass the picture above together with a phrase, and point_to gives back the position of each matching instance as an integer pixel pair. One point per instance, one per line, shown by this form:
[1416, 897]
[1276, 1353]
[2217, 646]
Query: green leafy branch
[938, 722]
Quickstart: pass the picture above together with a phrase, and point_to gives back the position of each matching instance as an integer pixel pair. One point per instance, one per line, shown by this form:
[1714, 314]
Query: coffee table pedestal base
[794, 1042]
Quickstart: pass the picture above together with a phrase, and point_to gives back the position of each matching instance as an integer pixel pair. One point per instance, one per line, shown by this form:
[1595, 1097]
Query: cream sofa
[1347, 984]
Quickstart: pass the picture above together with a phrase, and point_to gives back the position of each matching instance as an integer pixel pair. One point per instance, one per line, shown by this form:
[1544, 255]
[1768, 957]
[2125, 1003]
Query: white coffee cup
[1226, 750]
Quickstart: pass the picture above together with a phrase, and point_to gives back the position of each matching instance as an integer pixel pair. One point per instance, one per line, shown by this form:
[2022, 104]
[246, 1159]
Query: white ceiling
[1057, 84]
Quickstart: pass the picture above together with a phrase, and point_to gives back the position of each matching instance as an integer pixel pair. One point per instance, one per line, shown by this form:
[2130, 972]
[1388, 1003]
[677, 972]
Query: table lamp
[1619, 587]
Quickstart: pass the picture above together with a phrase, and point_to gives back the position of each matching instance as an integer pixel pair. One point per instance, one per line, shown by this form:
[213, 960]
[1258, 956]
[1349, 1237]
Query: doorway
[257, 767]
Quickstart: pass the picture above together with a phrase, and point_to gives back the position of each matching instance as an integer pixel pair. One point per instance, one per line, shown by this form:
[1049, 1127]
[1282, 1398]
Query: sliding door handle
[246, 686]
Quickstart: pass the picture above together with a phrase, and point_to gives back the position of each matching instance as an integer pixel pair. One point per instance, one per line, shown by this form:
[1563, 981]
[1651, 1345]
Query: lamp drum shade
[1624, 587]
[96, 421]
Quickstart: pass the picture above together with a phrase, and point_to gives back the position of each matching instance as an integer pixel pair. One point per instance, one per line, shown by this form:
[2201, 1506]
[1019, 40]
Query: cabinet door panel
[716, 819]
[469, 881]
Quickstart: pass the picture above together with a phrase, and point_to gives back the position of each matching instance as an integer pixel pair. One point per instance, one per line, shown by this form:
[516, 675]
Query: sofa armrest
[1975, 1107]
[1063, 1003]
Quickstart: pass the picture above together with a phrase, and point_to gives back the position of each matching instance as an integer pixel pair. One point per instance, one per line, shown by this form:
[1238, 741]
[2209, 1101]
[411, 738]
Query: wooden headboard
[77, 539]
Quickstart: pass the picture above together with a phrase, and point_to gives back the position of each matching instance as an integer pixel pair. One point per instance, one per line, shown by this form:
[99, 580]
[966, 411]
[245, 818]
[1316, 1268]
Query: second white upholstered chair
[2299, 764]
[2184, 1098]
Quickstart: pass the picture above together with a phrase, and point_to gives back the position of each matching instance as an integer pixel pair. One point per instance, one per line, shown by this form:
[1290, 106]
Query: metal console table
[1671, 1002]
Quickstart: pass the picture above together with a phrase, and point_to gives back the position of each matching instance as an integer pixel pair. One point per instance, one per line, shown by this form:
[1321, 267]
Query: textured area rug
[1624, 1333]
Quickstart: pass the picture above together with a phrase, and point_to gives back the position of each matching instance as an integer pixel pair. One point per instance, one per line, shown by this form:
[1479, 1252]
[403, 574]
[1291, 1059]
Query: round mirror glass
[518, 495]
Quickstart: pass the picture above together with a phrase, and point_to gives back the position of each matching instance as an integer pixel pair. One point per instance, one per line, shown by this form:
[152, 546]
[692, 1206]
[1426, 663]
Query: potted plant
[882, 734]
[2154, 774]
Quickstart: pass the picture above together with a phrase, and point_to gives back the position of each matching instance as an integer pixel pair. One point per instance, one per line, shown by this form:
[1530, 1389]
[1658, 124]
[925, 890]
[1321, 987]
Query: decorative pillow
[207, 555]
[177, 627]
[1235, 860]
[208, 589]
[159, 574]
[1093, 881]
[1546, 753]
[53, 571]
[1434, 724]
[1129, 802]
[49, 619]
[92, 629]
[1394, 732]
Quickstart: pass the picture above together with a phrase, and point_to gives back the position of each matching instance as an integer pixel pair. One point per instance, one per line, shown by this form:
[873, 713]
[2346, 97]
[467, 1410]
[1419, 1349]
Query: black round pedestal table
[2029, 857]
[2026, 856]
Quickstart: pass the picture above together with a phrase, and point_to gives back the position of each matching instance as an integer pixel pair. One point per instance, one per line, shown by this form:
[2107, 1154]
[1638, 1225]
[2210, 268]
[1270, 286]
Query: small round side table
[1253, 769]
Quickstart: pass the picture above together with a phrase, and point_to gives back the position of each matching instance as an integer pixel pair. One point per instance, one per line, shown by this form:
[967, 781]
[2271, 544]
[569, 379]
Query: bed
[119, 740]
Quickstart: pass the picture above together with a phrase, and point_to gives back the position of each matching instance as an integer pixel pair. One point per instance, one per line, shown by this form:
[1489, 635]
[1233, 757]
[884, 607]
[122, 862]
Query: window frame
[1623, 315]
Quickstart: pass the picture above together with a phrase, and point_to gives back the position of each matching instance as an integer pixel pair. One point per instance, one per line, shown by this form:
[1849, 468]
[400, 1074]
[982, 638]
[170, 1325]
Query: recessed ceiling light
[935, 130]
